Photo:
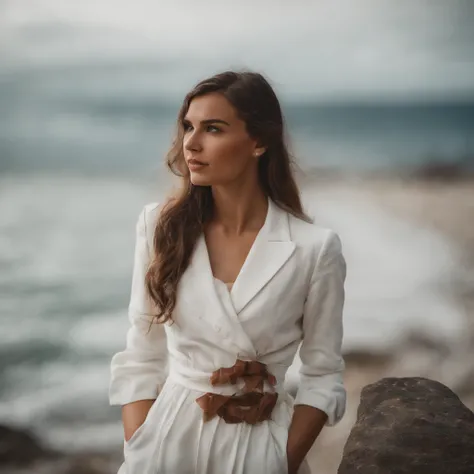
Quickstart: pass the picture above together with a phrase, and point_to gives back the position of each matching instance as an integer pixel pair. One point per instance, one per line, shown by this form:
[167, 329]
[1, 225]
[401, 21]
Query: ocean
[117, 135]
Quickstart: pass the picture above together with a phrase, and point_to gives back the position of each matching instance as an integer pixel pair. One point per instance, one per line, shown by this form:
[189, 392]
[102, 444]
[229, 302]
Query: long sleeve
[140, 370]
[321, 381]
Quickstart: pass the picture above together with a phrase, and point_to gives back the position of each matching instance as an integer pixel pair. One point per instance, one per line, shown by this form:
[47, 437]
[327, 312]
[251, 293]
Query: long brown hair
[183, 216]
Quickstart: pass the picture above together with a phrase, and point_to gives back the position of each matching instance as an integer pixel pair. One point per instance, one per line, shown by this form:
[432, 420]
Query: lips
[196, 162]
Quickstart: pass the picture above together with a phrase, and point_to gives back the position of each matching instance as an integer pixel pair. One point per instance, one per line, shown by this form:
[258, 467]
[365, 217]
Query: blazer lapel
[209, 306]
[269, 252]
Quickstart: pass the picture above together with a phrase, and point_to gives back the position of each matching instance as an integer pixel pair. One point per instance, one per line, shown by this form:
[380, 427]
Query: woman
[229, 277]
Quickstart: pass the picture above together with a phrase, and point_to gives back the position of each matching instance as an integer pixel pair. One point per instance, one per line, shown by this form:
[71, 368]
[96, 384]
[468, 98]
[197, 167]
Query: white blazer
[290, 289]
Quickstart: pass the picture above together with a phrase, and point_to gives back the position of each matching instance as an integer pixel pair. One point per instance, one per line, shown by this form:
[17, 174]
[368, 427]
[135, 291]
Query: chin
[198, 180]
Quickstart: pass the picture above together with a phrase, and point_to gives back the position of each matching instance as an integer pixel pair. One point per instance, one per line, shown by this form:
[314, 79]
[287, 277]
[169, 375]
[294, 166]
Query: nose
[191, 142]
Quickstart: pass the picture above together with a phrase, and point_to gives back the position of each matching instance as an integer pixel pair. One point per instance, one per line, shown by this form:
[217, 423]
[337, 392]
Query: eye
[213, 129]
[186, 126]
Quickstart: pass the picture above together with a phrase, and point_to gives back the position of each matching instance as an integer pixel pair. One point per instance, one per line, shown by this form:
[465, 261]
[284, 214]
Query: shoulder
[313, 236]
[150, 213]
[320, 247]
[147, 219]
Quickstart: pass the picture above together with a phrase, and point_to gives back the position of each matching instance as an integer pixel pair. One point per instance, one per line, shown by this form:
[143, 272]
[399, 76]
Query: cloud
[319, 49]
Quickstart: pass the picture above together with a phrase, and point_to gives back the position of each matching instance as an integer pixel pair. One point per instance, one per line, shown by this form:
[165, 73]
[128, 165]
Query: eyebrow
[209, 121]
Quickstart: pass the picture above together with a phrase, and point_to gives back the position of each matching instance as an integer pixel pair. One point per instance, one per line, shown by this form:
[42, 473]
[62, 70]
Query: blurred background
[379, 101]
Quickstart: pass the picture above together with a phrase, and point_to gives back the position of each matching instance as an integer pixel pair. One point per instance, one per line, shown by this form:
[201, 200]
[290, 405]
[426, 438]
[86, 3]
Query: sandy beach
[446, 211]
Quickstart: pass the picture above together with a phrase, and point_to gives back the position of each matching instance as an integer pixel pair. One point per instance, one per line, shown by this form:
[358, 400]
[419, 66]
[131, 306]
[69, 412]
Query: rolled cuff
[128, 386]
[326, 394]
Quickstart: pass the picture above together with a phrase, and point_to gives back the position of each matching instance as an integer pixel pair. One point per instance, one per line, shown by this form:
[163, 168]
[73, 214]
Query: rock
[367, 359]
[19, 447]
[85, 463]
[444, 170]
[410, 426]
[22, 453]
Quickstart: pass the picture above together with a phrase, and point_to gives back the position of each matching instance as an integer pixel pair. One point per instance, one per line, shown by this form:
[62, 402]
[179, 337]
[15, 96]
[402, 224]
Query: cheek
[229, 156]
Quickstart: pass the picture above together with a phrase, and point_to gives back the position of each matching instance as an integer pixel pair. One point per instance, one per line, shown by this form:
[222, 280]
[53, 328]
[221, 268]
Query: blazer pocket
[139, 431]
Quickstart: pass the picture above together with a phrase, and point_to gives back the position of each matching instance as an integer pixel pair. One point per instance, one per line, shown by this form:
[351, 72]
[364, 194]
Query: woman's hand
[306, 424]
[293, 465]
[133, 416]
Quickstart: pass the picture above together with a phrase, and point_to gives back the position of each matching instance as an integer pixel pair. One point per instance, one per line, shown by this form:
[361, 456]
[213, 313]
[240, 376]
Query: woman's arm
[306, 424]
[133, 416]
[140, 370]
[321, 397]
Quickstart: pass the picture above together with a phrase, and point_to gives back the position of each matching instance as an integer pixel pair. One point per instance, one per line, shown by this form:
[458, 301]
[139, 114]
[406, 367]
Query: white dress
[174, 439]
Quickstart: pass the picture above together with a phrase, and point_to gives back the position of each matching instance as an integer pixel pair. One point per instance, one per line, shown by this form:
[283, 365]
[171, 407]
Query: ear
[259, 151]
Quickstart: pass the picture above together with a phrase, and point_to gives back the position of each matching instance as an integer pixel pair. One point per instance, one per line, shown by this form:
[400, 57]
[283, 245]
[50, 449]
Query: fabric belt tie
[252, 405]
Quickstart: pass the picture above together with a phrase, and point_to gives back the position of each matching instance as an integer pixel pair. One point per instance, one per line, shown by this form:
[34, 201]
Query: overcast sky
[322, 49]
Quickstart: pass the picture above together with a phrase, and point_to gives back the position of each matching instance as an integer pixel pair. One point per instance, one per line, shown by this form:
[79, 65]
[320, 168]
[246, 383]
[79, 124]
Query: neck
[239, 209]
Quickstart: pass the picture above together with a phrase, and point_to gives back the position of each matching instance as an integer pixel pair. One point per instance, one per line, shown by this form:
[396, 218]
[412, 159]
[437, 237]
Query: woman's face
[216, 137]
